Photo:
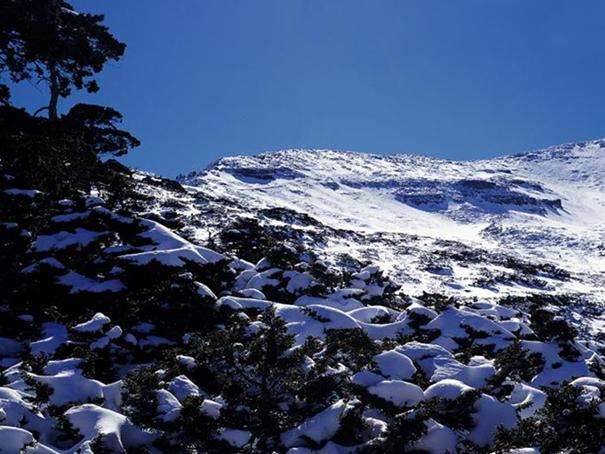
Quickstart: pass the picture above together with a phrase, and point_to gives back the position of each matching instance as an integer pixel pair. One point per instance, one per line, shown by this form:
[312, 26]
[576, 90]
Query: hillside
[309, 302]
[464, 228]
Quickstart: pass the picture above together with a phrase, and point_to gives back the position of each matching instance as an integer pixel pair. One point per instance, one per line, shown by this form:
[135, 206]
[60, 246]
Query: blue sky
[459, 79]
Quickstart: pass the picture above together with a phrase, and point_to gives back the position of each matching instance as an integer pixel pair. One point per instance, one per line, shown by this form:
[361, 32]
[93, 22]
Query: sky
[456, 79]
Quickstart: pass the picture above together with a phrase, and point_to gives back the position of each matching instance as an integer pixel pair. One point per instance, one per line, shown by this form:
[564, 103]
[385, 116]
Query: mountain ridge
[559, 149]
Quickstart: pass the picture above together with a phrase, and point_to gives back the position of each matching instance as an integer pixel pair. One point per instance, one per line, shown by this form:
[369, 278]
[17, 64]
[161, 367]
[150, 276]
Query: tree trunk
[54, 93]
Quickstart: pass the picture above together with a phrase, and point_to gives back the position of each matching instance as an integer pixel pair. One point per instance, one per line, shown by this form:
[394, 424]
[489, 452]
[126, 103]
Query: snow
[114, 332]
[69, 217]
[393, 364]
[329, 448]
[589, 381]
[264, 278]
[235, 437]
[80, 283]
[174, 257]
[439, 439]
[80, 237]
[398, 392]
[92, 201]
[474, 376]
[144, 327]
[187, 361]
[204, 291]
[9, 347]
[298, 281]
[55, 367]
[181, 387]
[55, 335]
[48, 261]
[154, 341]
[366, 378]
[14, 439]
[448, 389]
[168, 405]
[490, 415]
[70, 386]
[366, 314]
[556, 370]
[15, 409]
[95, 324]
[418, 309]
[252, 293]
[236, 303]
[117, 431]
[338, 301]
[31, 193]
[425, 355]
[318, 428]
[100, 343]
[211, 408]
[527, 400]
[170, 249]
[452, 323]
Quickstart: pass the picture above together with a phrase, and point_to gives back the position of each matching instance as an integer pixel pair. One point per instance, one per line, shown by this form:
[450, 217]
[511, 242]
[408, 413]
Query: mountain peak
[327, 161]
[585, 149]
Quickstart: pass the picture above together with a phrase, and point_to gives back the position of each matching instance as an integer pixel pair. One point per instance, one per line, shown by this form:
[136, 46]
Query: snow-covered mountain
[533, 222]
[258, 308]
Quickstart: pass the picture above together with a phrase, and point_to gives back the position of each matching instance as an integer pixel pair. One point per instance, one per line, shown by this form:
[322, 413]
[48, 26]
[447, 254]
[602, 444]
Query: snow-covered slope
[123, 328]
[457, 227]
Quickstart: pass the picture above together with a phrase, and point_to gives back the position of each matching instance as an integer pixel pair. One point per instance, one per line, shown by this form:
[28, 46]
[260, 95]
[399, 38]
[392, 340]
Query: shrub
[139, 400]
[566, 423]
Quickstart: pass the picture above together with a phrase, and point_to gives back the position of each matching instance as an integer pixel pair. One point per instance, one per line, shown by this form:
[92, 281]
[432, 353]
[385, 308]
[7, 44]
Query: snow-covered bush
[571, 420]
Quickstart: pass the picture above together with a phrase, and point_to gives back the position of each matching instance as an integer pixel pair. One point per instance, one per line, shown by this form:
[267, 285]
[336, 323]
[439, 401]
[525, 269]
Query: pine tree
[49, 41]
[258, 371]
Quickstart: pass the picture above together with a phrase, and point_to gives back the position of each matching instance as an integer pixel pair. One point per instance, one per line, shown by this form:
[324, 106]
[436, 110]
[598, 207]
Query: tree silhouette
[48, 41]
[98, 129]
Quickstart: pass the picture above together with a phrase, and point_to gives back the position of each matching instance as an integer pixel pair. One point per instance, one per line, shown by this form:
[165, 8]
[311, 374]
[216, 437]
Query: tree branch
[41, 109]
